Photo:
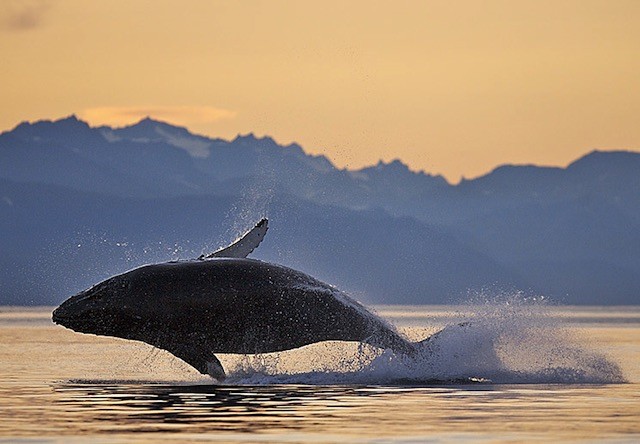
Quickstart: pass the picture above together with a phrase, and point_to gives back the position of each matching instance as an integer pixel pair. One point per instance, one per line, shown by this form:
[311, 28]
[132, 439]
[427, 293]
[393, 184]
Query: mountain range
[79, 203]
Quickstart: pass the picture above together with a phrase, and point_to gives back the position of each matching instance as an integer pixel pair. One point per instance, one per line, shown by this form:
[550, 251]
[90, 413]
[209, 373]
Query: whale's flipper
[199, 357]
[244, 245]
[215, 369]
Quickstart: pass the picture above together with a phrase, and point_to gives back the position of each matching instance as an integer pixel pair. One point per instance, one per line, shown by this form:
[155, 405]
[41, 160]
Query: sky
[450, 87]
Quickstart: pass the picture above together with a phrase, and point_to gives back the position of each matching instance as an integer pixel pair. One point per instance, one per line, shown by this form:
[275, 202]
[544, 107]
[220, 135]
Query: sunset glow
[453, 88]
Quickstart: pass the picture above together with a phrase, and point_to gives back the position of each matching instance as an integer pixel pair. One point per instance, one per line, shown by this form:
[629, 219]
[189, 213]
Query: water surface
[525, 374]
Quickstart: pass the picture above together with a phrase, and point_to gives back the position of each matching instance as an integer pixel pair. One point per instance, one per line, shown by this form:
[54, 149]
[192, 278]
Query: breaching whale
[224, 303]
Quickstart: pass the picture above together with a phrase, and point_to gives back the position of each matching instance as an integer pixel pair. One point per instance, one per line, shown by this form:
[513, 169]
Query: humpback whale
[224, 303]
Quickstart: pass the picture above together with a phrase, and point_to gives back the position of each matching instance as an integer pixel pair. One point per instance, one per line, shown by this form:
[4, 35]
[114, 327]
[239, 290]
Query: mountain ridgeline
[79, 203]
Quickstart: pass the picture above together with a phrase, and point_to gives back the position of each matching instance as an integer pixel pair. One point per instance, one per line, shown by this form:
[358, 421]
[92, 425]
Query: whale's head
[104, 309]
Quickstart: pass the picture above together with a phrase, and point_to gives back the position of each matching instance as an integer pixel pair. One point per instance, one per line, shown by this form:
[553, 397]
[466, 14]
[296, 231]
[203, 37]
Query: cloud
[22, 15]
[181, 115]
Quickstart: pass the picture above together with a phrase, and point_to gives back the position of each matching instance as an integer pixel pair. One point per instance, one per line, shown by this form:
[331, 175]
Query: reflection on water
[205, 408]
[93, 407]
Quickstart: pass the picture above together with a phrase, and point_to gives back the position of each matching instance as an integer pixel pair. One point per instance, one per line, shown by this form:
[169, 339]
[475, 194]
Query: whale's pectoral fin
[215, 370]
[244, 245]
[201, 359]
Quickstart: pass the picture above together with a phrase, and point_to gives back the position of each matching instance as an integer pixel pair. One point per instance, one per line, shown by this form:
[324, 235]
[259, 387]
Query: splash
[507, 339]
[254, 201]
[513, 339]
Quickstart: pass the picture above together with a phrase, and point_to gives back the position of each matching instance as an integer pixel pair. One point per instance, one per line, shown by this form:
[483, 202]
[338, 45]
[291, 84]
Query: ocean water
[509, 370]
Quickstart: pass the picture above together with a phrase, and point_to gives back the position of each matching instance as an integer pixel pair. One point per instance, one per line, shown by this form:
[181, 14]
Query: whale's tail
[441, 334]
[389, 339]
[463, 345]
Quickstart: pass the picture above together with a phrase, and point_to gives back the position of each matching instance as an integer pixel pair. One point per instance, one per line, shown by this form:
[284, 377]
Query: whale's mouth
[76, 311]
[60, 317]
[63, 316]
[77, 324]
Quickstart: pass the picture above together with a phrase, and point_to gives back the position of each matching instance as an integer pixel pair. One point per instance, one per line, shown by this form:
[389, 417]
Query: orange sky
[454, 88]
